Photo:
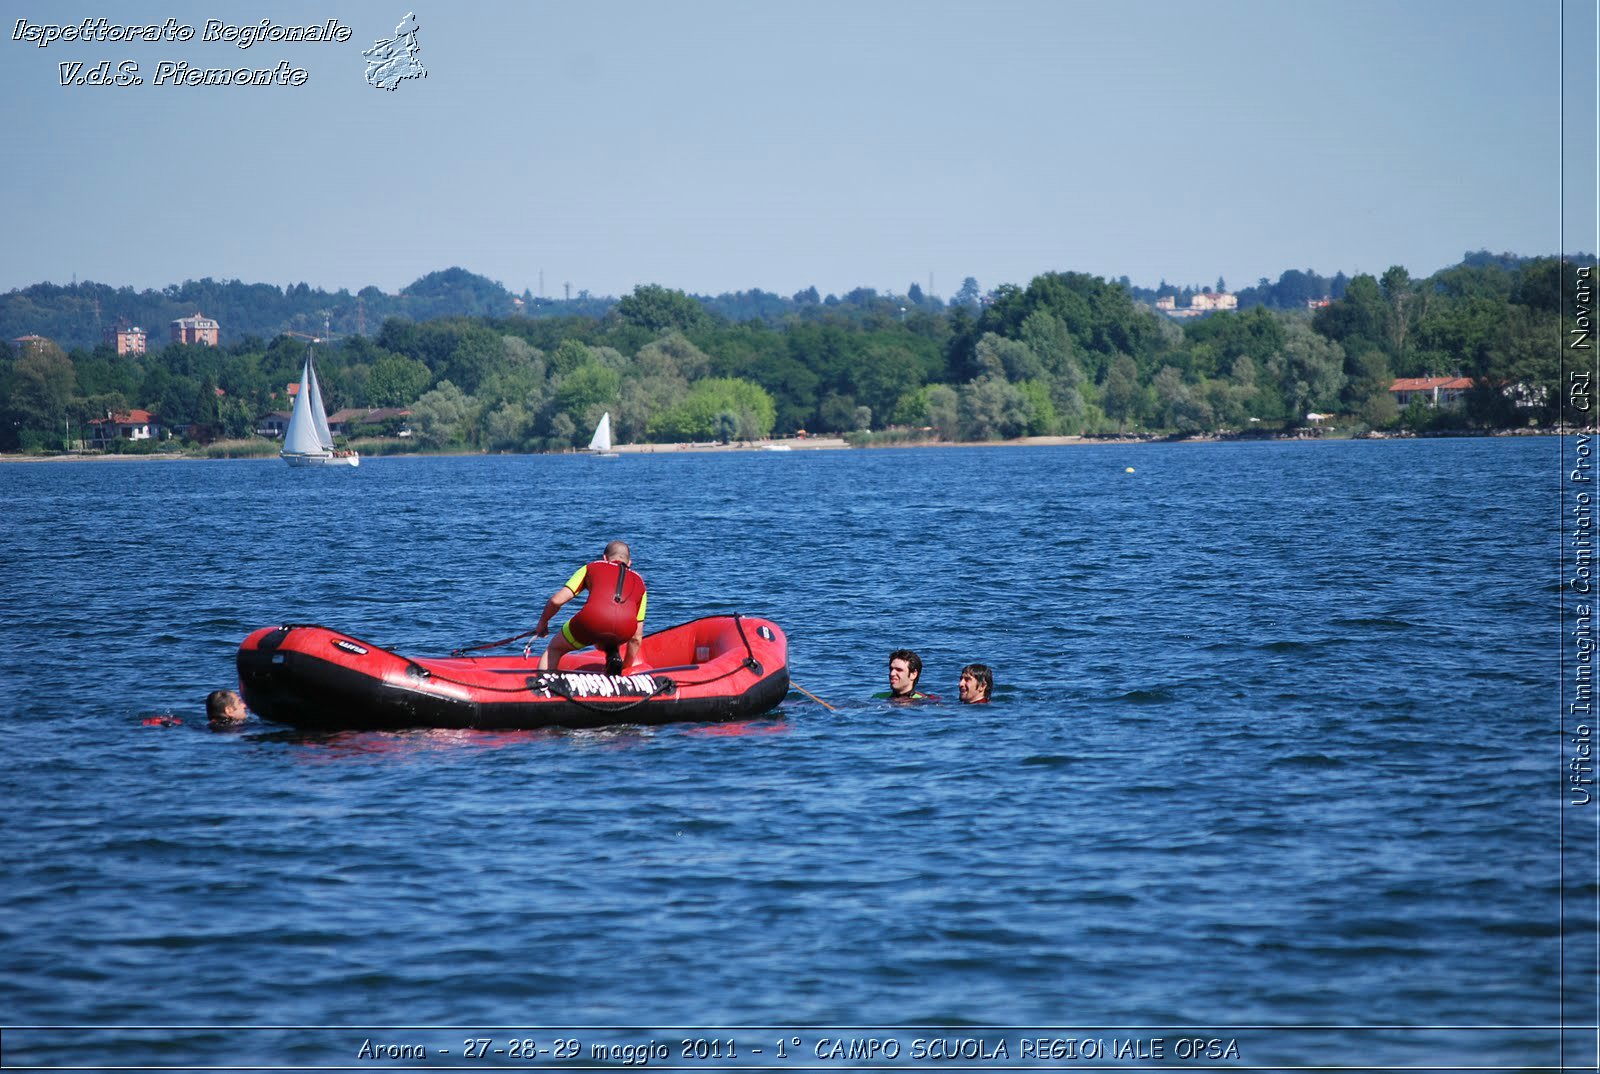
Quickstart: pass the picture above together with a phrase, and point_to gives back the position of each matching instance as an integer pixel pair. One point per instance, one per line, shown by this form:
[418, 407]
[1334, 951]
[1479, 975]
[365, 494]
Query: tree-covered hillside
[1068, 353]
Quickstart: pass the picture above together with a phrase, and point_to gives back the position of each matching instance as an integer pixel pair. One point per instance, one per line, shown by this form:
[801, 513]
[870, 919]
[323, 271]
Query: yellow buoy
[1129, 470]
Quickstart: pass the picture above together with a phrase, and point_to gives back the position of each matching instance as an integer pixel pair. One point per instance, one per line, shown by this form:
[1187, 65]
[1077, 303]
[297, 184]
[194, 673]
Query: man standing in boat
[612, 616]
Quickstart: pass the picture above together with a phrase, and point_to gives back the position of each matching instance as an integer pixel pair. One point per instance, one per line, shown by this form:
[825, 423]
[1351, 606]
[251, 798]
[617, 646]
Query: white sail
[319, 413]
[602, 434]
[301, 438]
[307, 441]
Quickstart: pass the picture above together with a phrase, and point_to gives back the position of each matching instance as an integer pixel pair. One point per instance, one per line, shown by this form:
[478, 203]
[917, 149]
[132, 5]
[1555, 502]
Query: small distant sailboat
[307, 441]
[600, 443]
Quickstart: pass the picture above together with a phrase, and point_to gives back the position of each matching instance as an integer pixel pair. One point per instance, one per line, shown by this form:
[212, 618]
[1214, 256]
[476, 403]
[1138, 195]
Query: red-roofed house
[130, 425]
[1434, 391]
[340, 424]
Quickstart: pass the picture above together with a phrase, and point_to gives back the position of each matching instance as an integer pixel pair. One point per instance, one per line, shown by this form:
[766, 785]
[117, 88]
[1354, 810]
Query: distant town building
[1207, 301]
[1318, 303]
[197, 329]
[1199, 303]
[128, 339]
[129, 425]
[1433, 391]
[29, 343]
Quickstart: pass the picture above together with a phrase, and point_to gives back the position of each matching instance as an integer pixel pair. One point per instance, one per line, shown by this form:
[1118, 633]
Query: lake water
[1276, 760]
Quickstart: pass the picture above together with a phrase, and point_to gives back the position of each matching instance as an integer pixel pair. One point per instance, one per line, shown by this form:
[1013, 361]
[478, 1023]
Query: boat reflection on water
[343, 745]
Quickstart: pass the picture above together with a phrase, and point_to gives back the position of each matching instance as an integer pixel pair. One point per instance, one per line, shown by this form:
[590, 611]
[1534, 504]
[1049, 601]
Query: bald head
[619, 552]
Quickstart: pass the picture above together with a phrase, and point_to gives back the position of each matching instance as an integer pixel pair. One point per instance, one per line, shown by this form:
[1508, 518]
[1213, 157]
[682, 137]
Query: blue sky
[718, 146]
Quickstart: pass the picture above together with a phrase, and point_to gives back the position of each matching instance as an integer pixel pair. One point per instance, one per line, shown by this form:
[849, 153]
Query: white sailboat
[307, 441]
[600, 443]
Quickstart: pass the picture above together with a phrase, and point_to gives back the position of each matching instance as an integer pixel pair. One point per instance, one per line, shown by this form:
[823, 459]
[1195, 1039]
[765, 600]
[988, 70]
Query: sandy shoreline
[817, 443]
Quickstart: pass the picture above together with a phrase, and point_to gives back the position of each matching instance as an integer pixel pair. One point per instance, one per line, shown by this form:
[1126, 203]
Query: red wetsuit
[614, 610]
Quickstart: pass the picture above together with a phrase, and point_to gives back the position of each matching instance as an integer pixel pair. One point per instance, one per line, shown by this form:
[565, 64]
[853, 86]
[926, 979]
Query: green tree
[1178, 405]
[42, 383]
[944, 410]
[1379, 411]
[1102, 318]
[563, 432]
[508, 427]
[887, 371]
[443, 416]
[837, 414]
[1040, 408]
[1310, 373]
[1213, 343]
[1119, 392]
[1009, 358]
[968, 296]
[477, 352]
[395, 380]
[793, 386]
[1418, 416]
[587, 390]
[1047, 337]
[87, 408]
[991, 408]
[911, 409]
[1398, 291]
[1232, 399]
[1367, 378]
[567, 356]
[238, 418]
[1358, 321]
[672, 354]
[519, 379]
[659, 309]
[696, 417]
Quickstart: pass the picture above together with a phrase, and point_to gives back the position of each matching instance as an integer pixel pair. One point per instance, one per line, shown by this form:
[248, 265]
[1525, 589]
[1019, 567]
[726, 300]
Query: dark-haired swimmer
[224, 708]
[905, 668]
[976, 684]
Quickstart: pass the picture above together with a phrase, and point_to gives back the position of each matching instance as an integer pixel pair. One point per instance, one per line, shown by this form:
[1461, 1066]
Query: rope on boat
[812, 696]
[491, 644]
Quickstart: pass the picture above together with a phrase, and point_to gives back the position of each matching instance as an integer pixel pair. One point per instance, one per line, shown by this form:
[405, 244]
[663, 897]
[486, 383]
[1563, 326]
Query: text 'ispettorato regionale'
[178, 73]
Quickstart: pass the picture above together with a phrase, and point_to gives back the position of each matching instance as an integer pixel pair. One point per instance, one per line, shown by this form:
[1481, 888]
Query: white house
[1434, 391]
[129, 425]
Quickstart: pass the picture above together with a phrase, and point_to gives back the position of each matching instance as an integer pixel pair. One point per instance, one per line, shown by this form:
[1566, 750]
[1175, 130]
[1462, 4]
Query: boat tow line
[812, 696]
[492, 644]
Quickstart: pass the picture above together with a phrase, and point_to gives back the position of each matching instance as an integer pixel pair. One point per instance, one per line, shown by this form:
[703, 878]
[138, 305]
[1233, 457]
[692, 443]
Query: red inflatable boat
[719, 668]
